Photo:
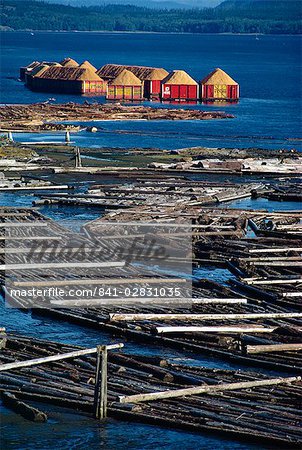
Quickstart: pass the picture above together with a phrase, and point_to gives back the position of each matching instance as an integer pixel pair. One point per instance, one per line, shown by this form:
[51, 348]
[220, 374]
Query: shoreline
[148, 32]
[47, 116]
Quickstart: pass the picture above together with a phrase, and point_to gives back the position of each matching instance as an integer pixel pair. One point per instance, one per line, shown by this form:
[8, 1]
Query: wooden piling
[100, 392]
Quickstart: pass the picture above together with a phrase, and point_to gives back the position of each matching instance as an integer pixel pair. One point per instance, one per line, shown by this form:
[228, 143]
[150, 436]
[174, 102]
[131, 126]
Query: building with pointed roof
[69, 62]
[218, 85]
[87, 65]
[179, 86]
[72, 80]
[126, 86]
[150, 76]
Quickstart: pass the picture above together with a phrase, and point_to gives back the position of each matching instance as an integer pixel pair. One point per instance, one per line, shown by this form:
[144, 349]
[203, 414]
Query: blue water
[268, 70]
[267, 116]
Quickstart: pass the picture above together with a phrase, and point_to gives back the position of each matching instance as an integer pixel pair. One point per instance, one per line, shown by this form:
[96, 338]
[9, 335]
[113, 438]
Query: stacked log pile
[32, 117]
[170, 193]
[252, 410]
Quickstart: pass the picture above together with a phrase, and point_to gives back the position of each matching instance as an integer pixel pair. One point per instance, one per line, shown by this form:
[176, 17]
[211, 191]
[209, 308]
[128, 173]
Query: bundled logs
[242, 405]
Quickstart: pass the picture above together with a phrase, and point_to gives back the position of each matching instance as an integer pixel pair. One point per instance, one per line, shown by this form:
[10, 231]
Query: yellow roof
[87, 65]
[126, 78]
[89, 75]
[158, 74]
[179, 77]
[69, 62]
[219, 76]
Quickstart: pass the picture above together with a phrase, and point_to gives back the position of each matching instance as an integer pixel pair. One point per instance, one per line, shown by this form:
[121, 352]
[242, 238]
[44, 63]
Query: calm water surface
[267, 116]
[268, 70]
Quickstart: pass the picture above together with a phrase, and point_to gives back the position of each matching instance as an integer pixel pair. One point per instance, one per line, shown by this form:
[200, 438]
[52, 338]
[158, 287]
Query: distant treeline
[249, 16]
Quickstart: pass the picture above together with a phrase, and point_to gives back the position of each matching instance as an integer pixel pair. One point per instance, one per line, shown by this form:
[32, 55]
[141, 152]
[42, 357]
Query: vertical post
[78, 159]
[103, 399]
[10, 136]
[67, 137]
[100, 391]
[97, 383]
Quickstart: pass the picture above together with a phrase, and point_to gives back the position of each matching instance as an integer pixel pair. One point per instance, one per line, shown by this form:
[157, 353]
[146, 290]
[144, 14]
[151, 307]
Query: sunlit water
[267, 116]
[268, 71]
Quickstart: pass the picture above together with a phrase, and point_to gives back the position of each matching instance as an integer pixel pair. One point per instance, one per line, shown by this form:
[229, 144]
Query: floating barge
[126, 82]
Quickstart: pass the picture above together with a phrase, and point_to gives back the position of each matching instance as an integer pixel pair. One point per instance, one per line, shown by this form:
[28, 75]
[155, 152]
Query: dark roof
[70, 73]
[111, 71]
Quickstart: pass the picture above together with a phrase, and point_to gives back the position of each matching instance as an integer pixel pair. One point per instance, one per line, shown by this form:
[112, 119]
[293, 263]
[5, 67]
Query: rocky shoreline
[43, 116]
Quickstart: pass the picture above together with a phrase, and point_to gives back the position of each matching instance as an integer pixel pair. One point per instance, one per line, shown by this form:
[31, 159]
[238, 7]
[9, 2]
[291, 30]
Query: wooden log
[79, 265]
[189, 317]
[292, 294]
[272, 281]
[101, 281]
[205, 389]
[252, 349]
[278, 263]
[103, 386]
[31, 238]
[275, 250]
[26, 411]
[53, 358]
[219, 329]
[27, 224]
[226, 301]
[96, 403]
[36, 188]
[270, 258]
[115, 301]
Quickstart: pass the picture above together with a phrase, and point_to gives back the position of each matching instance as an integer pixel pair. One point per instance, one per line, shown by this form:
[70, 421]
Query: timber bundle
[34, 117]
[122, 82]
[151, 389]
[239, 323]
[155, 193]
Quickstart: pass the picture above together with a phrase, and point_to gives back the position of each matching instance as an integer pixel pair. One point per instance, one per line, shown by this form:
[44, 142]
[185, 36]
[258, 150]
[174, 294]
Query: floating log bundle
[169, 394]
[235, 327]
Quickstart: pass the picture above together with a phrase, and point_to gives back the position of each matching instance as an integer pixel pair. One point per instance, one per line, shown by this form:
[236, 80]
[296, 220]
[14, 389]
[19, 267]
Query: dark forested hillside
[245, 16]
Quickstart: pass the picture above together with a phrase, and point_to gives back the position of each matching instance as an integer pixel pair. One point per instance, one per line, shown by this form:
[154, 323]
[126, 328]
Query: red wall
[184, 92]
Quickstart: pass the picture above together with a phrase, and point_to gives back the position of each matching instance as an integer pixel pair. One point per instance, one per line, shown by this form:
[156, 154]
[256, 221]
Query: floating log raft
[188, 397]
[269, 308]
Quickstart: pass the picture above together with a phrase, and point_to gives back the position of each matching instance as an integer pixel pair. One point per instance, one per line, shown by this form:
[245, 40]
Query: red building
[152, 83]
[150, 76]
[126, 86]
[219, 86]
[179, 86]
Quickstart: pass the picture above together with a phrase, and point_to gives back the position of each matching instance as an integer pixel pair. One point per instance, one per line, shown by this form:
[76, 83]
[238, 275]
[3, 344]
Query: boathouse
[218, 85]
[126, 86]
[71, 80]
[179, 86]
[150, 76]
